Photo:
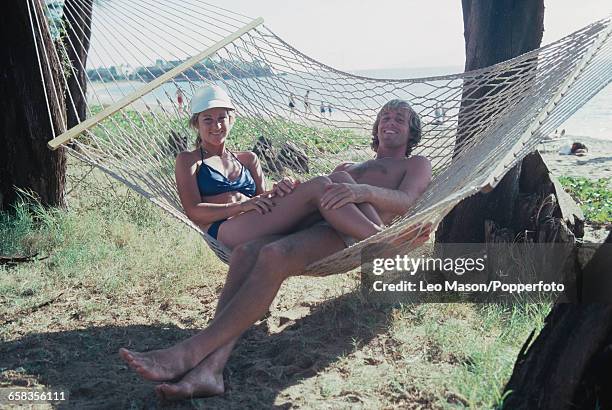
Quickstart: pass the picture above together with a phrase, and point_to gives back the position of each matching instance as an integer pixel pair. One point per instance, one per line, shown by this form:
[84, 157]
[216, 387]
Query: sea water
[593, 119]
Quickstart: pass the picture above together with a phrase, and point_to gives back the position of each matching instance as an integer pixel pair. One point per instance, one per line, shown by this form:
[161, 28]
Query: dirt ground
[307, 334]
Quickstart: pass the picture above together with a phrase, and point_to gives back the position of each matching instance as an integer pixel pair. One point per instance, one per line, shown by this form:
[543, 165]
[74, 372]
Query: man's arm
[394, 201]
[341, 178]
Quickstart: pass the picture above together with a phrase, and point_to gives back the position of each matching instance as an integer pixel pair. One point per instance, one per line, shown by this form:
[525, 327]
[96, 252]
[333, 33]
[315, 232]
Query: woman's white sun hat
[211, 96]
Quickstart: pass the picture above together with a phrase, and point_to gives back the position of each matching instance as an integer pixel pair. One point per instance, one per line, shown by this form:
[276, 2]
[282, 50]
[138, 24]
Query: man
[382, 188]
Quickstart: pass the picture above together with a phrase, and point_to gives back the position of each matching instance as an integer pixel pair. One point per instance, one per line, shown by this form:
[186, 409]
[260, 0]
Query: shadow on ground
[596, 160]
[86, 362]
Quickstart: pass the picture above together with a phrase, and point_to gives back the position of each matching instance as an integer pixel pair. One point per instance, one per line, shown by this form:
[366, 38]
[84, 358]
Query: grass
[331, 140]
[319, 140]
[109, 249]
[594, 197]
[150, 134]
[112, 270]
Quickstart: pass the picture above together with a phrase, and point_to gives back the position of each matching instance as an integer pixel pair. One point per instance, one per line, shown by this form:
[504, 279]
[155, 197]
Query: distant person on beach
[292, 103]
[306, 101]
[355, 200]
[179, 100]
[322, 109]
[577, 148]
[439, 114]
[329, 109]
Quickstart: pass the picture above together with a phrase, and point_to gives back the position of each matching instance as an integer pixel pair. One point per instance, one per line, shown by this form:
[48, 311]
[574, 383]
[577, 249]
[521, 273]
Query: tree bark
[78, 24]
[494, 31]
[568, 365]
[25, 161]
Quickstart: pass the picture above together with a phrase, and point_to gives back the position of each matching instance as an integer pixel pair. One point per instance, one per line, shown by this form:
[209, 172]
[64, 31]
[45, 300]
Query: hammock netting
[476, 125]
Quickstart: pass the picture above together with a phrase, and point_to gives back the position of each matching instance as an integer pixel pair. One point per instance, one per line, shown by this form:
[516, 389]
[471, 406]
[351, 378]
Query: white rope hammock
[477, 125]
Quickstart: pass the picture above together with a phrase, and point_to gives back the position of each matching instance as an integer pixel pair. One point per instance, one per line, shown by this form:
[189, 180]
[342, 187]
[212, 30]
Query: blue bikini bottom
[213, 229]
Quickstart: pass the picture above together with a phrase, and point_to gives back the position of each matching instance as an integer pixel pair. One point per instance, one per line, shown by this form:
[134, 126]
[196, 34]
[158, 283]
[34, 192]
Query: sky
[352, 34]
[349, 35]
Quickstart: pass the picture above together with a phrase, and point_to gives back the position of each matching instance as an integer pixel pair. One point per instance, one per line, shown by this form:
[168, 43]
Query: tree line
[207, 69]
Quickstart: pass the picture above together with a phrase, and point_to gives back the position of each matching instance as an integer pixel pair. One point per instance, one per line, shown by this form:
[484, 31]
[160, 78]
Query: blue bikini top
[212, 182]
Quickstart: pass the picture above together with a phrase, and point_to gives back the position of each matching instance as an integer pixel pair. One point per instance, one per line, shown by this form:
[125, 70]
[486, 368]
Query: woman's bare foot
[201, 381]
[157, 365]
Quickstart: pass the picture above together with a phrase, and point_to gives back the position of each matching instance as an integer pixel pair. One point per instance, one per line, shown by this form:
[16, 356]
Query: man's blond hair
[414, 124]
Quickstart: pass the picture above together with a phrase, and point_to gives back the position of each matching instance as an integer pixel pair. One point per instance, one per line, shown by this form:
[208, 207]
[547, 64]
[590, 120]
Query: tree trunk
[78, 24]
[25, 161]
[494, 31]
[568, 365]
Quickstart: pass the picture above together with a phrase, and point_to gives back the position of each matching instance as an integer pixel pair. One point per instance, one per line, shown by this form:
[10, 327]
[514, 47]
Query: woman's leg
[289, 211]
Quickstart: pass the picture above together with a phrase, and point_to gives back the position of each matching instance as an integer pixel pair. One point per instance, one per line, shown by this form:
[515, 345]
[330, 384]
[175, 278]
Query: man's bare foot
[157, 365]
[201, 381]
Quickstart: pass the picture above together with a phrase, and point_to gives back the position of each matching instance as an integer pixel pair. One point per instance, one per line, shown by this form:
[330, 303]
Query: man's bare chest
[379, 173]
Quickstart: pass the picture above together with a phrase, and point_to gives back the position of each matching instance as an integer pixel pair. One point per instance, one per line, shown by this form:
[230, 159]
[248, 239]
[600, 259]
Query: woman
[224, 192]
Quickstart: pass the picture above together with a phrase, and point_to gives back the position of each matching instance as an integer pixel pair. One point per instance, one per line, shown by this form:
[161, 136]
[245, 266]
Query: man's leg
[197, 382]
[276, 261]
[209, 380]
[241, 262]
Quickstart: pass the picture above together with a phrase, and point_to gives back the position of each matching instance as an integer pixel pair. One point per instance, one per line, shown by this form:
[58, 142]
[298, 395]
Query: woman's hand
[284, 187]
[261, 203]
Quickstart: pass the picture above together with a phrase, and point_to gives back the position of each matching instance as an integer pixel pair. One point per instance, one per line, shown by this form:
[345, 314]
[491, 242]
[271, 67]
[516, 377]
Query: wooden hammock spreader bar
[148, 87]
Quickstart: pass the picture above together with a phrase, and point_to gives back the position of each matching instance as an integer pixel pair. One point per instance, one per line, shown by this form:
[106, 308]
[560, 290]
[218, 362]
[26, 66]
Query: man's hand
[340, 194]
[284, 187]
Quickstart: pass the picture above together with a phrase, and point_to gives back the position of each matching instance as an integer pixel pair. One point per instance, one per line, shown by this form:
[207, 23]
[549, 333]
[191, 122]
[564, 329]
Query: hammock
[476, 125]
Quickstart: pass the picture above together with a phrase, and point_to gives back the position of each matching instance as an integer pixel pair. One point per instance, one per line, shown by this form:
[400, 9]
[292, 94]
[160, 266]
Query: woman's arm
[204, 213]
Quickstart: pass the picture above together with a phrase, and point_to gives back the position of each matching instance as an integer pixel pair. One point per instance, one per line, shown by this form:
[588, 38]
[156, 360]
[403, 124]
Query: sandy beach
[596, 164]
